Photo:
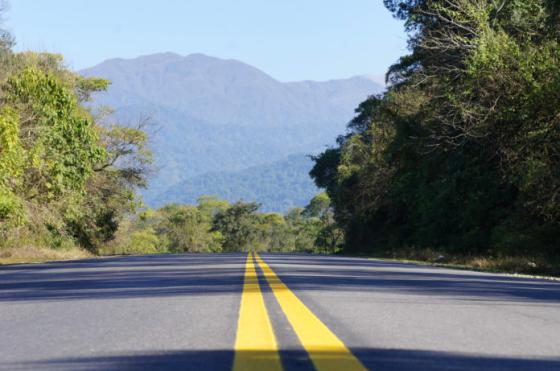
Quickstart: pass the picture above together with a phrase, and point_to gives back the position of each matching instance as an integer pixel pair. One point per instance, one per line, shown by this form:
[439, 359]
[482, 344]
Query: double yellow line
[256, 348]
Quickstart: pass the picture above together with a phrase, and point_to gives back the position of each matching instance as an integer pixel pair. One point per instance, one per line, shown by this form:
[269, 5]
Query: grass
[30, 254]
[517, 265]
[30, 244]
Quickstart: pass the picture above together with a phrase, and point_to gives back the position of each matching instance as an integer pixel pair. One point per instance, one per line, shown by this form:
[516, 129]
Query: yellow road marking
[325, 349]
[255, 345]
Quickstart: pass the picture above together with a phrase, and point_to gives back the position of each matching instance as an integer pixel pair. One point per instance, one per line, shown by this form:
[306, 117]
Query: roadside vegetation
[67, 175]
[460, 159]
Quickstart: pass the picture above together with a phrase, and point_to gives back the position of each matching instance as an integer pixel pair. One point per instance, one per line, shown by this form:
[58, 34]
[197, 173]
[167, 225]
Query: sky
[290, 40]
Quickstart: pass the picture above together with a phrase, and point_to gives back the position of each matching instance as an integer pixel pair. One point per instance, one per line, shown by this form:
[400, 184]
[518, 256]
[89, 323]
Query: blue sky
[289, 39]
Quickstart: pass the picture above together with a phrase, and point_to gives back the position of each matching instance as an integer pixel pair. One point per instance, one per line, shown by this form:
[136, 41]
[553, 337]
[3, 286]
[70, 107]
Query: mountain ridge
[223, 115]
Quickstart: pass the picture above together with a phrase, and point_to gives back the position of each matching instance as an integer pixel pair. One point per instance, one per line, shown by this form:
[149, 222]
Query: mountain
[280, 184]
[223, 117]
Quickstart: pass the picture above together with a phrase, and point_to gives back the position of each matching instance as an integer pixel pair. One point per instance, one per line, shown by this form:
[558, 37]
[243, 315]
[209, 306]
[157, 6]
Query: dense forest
[462, 153]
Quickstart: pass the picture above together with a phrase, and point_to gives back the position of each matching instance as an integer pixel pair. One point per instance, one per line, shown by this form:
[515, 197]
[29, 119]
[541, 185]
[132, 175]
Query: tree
[237, 226]
[63, 175]
[6, 39]
[58, 140]
[461, 152]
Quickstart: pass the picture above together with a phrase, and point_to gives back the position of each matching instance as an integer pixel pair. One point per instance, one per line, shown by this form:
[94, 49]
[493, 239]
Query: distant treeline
[214, 225]
[462, 152]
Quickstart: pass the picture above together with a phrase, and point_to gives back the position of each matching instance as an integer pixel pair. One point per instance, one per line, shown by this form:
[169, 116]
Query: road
[272, 311]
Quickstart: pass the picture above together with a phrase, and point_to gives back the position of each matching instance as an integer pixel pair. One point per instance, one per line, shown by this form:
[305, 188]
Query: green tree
[461, 152]
[58, 140]
[111, 190]
[237, 226]
[64, 177]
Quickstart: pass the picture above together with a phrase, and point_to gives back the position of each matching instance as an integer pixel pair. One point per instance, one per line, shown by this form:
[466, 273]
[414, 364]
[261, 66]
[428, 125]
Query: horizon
[379, 79]
[322, 42]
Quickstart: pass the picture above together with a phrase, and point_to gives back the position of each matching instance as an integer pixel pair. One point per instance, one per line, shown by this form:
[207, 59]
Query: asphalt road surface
[273, 311]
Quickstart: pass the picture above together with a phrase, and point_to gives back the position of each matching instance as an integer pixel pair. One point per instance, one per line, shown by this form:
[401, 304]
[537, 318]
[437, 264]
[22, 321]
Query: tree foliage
[214, 225]
[66, 177]
[462, 151]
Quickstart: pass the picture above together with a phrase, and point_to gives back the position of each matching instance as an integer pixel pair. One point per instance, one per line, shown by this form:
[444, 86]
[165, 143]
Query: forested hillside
[462, 153]
[215, 115]
[280, 184]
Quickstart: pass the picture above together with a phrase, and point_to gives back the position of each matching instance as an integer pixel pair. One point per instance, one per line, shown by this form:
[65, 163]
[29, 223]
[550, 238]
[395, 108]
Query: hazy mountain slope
[229, 92]
[218, 115]
[282, 184]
